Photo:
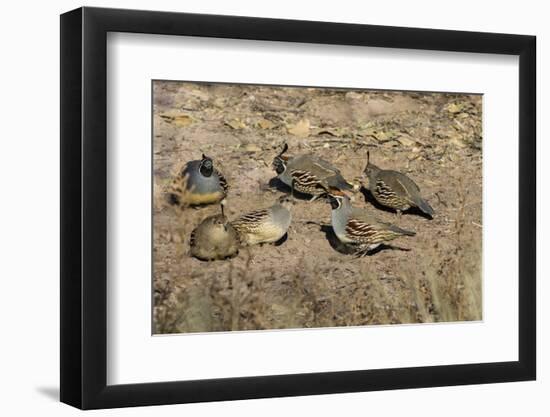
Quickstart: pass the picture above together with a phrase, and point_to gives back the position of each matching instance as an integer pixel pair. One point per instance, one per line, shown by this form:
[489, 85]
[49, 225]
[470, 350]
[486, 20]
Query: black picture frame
[84, 207]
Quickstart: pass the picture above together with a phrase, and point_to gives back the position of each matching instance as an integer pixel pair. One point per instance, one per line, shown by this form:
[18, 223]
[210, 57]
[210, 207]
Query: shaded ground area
[309, 280]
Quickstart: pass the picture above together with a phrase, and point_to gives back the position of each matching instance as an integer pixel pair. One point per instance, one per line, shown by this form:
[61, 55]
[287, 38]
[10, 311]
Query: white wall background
[29, 226]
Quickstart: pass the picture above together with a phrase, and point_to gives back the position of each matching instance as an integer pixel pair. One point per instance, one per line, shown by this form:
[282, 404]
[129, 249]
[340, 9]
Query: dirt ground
[309, 280]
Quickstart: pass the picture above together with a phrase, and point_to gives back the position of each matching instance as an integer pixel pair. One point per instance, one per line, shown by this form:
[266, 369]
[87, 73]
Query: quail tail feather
[341, 184]
[425, 207]
[402, 231]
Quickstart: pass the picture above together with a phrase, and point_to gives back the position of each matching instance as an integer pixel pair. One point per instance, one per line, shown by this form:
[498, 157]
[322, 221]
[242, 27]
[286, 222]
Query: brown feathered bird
[265, 225]
[214, 238]
[309, 174]
[394, 189]
[358, 228]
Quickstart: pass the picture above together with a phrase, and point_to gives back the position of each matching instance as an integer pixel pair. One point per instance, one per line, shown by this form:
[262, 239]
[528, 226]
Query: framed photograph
[257, 208]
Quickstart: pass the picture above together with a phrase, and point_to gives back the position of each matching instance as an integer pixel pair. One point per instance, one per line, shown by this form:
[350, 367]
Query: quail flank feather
[394, 189]
[266, 225]
[214, 238]
[198, 183]
[309, 174]
[357, 228]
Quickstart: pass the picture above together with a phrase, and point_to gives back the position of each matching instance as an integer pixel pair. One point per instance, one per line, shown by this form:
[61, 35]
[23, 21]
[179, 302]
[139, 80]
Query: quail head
[198, 183]
[265, 225]
[214, 238]
[394, 189]
[357, 228]
[309, 174]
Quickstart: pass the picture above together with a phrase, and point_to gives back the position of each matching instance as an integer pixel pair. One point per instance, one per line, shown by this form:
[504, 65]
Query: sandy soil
[309, 280]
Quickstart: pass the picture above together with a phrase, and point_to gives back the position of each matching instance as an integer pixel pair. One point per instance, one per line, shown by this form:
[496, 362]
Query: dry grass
[448, 290]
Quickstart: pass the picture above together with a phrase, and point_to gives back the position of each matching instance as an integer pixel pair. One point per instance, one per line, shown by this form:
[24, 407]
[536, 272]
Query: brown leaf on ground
[300, 129]
[406, 140]
[455, 108]
[235, 124]
[265, 124]
[251, 147]
[178, 119]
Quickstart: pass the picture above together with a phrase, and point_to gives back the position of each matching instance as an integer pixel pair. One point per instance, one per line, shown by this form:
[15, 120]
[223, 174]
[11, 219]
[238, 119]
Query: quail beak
[357, 183]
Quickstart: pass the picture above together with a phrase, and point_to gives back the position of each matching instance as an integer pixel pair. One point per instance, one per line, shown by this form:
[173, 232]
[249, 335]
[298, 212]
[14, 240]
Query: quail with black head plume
[394, 189]
[358, 228]
[198, 183]
[309, 174]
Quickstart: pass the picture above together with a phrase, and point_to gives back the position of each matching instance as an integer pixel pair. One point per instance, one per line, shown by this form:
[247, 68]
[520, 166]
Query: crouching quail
[214, 238]
[309, 174]
[266, 225]
[394, 189]
[198, 183]
[357, 228]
